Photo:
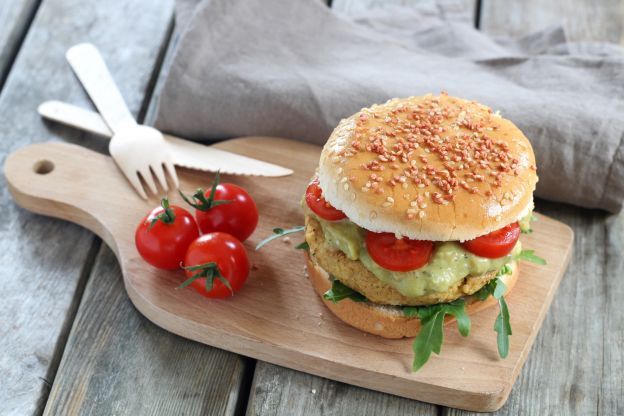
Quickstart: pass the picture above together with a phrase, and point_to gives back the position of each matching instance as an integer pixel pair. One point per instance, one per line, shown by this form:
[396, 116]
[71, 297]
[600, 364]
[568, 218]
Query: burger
[413, 218]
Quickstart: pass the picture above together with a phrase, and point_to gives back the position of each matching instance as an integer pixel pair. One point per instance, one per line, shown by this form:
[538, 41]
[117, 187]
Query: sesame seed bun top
[431, 168]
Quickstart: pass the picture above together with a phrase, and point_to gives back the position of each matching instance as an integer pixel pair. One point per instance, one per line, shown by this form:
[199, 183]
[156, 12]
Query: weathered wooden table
[72, 343]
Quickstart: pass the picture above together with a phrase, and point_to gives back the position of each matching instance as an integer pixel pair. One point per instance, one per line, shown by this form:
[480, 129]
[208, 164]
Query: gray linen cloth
[295, 68]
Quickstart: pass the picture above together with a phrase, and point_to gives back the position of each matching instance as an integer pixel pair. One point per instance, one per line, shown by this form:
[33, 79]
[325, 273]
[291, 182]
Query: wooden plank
[117, 362]
[611, 395]
[458, 9]
[567, 371]
[191, 378]
[295, 329]
[576, 364]
[15, 17]
[49, 260]
[583, 20]
[278, 391]
[281, 391]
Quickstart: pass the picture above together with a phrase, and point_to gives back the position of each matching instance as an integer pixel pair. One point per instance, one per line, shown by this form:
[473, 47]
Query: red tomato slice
[496, 244]
[398, 255]
[318, 204]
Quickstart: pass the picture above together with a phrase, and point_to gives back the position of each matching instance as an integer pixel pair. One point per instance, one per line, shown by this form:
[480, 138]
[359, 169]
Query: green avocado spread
[449, 264]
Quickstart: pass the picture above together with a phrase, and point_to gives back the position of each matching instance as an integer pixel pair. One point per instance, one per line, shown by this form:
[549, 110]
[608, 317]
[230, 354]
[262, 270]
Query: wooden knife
[185, 153]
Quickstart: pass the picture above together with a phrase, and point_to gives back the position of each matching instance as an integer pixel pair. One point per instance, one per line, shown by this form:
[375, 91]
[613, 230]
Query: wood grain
[46, 261]
[15, 17]
[313, 341]
[116, 359]
[117, 362]
[334, 397]
[583, 20]
[281, 391]
[462, 9]
[577, 363]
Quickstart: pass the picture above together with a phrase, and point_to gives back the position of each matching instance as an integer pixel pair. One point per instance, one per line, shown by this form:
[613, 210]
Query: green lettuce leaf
[339, 292]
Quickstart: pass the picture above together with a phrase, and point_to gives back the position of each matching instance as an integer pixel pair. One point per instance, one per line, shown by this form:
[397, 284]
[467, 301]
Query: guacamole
[449, 264]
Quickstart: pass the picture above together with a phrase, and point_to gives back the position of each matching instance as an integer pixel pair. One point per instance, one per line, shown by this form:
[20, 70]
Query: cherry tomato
[214, 259]
[398, 255]
[496, 244]
[318, 204]
[227, 208]
[163, 236]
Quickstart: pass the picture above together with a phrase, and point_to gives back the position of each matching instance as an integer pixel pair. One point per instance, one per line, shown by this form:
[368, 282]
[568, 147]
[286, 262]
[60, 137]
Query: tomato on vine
[163, 236]
[216, 265]
[226, 208]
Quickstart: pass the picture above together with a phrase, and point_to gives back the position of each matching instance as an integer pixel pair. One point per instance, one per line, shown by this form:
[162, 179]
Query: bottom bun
[386, 320]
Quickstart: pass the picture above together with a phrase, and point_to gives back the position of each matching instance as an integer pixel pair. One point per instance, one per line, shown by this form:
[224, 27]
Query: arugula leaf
[506, 269]
[279, 232]
[529, 255]
[483, 293]
[499, 288]
[502, 328]
[502, 325]
[339, 292]
[491, 286]
[431, 334]
[303, 246]
[457, 309]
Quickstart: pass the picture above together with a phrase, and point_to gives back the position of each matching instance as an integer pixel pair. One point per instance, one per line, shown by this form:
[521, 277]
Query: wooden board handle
[72, 183]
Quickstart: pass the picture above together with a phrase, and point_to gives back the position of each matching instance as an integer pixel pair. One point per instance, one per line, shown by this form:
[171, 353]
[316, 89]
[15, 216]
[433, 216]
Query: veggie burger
[415, 213]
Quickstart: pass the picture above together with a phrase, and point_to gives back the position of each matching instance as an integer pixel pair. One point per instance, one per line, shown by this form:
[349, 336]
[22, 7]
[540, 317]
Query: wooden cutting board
[277, 317]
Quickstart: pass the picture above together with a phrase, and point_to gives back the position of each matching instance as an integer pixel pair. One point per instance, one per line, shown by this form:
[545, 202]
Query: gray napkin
[295, 68]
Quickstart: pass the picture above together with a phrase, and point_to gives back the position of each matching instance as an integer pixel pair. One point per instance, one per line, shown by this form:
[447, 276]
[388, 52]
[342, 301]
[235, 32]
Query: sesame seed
[414, 139]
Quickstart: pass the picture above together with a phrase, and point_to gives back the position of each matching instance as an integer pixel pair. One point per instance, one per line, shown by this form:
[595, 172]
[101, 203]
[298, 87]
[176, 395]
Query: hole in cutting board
[43, 167]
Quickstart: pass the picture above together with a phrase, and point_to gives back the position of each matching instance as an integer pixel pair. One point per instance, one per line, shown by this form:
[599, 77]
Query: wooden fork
[139, 151]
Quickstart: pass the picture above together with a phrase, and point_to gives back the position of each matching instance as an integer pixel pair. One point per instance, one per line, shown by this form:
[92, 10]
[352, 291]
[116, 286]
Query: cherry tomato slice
[496, 244]
[164, 245]
[231, 262]
[398, 255]
[318, 204]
